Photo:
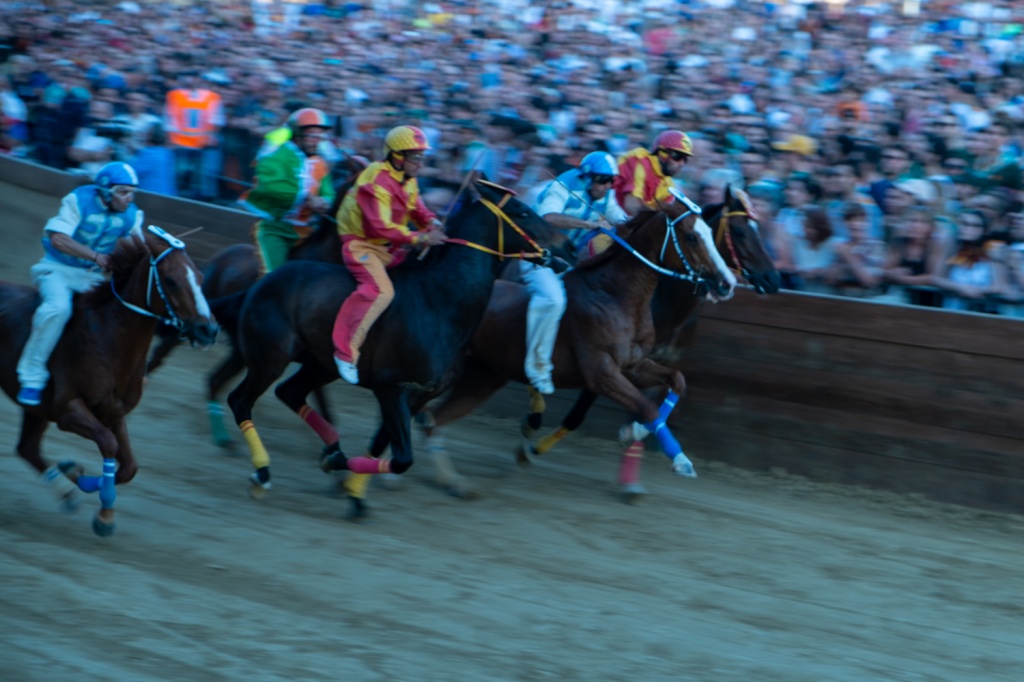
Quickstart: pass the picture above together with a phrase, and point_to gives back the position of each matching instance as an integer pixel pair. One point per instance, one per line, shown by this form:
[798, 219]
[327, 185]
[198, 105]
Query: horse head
[521, 232]
[689, 248]
[738, 241]
[177, 284]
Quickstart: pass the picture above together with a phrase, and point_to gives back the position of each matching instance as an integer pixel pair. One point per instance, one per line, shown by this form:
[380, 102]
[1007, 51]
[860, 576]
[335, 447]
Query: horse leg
[321, 403]
[648, 373]
[163, 348]
[232, 366]
[77, 418]
[29, 449]
[257, 380]
[470, 389]
[573, 420]
[293, 392]
[397, 421]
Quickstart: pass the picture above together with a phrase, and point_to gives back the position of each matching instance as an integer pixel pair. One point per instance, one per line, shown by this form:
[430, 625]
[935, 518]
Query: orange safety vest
[191, 114]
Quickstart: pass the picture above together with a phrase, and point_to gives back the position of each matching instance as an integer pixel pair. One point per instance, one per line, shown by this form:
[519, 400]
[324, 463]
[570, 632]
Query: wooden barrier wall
[908, 399]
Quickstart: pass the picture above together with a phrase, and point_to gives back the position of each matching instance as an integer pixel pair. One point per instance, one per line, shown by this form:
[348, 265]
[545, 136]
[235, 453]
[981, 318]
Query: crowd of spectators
[881, 142]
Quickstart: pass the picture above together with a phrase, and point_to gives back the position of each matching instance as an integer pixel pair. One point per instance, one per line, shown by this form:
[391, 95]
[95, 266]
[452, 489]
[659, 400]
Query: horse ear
[728, 193]
[473, 190]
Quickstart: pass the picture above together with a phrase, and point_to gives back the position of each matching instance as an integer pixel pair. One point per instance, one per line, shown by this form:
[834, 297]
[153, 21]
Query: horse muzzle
[202, 334]
[766, 283]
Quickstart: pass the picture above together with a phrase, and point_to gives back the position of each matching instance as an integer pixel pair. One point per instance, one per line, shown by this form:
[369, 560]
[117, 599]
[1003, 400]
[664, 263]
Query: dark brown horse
[606, 333]
[410, 354]
[675, 308]
[98, 366]
[233, 270]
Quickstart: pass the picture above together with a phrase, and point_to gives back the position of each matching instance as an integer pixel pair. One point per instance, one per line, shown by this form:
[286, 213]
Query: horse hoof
[332, 459]
[633, 493]
[71, 469]
[523, 453]
[359, 511]
[71, 503]
[460, 490]
[258, 489]
[224, 443]
[102, 528]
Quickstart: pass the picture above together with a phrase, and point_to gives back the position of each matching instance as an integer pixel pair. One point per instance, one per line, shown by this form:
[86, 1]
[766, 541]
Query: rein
[503, 218]
[154, 278]
[724, 231]
[690, 275]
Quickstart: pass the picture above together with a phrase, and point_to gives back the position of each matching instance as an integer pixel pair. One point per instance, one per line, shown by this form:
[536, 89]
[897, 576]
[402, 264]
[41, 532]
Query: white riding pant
[544, 312]
[57, 284]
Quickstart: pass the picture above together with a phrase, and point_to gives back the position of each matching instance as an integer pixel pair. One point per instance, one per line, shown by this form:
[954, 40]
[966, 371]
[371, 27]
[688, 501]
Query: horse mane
[625, 231]
[123, 261]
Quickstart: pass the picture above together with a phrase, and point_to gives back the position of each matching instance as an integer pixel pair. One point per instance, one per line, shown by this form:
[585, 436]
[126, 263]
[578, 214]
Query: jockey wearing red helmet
[373, 222]
[645, 176]
[292, 185]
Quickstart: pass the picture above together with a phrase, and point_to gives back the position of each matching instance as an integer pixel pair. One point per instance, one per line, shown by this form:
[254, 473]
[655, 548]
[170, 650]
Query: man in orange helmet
[292, 185]
[645, 176]
[373, 222]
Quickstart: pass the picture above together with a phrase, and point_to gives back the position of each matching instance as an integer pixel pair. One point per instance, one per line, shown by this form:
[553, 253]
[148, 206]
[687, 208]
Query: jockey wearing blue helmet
[578, 201]
[77, 243]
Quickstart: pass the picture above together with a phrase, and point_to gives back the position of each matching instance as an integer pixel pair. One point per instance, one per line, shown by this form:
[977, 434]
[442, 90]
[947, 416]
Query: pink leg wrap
[326, 432]
[369, 465]
[629, 471]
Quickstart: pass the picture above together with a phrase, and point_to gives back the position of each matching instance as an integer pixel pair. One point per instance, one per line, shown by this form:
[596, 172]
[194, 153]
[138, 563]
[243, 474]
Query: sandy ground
[734, 576]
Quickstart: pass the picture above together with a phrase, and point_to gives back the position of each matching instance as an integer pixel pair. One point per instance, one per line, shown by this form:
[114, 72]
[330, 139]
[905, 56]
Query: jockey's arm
[567, 222]
[65, 244]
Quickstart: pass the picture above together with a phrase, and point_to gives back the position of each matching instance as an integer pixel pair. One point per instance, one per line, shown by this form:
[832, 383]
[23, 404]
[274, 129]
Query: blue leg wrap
[666, 407]
[88, 484]
[669, 445]
[107, 492]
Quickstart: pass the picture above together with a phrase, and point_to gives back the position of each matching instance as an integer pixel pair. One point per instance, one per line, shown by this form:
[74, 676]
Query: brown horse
[98, 366]
[675, 307]
[235, 269]
[606, 333]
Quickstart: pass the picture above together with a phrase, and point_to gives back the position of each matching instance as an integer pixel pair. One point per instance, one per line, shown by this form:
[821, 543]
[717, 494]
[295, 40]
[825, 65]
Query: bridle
[689, 274]
[154, 278]
[503, 219]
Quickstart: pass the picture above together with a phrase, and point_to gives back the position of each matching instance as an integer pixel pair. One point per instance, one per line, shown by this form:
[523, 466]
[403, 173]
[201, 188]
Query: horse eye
[691, 238]
[171, 285]
[739, 235]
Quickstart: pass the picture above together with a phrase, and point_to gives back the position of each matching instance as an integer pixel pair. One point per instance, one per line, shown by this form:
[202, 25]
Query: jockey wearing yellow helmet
[373, 222]
[645, 176]
[292, 184]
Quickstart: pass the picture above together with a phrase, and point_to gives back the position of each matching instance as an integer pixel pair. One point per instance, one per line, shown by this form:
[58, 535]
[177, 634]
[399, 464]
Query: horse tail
[227, 310]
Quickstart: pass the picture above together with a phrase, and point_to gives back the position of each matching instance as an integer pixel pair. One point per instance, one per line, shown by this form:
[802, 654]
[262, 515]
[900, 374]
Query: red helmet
[308, 118]
[673, 141]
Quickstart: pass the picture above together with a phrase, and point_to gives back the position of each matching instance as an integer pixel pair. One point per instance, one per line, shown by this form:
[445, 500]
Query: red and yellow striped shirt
[380, 206]
[640, 175]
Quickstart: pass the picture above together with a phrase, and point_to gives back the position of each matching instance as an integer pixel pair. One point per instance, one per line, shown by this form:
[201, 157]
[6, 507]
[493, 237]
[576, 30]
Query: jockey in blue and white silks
[578, 201]
[77, 244]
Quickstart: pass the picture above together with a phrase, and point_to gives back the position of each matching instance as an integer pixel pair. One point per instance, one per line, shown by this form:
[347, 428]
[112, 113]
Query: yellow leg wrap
[257, 452]
[355, 485]
[537, 404]
[549, 441]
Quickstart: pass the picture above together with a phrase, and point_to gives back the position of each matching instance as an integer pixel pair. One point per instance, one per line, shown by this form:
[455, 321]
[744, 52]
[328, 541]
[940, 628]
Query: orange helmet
[307, 118]
[673, 141]
[405, 139]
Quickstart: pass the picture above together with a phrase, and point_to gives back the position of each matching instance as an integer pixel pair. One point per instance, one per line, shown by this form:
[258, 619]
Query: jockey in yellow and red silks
[373, 222]
[645, 176]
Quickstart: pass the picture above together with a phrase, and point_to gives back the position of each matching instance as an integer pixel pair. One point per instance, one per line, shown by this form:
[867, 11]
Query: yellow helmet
[405, 139]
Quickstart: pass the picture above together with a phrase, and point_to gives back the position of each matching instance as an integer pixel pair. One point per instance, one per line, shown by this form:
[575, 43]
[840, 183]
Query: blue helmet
[115, 173]
[598, 163]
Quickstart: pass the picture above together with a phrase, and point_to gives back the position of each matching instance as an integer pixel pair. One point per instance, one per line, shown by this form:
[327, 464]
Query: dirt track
[733, 576]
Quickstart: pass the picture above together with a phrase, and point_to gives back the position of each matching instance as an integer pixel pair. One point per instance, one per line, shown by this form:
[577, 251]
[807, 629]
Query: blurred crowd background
[881, 142]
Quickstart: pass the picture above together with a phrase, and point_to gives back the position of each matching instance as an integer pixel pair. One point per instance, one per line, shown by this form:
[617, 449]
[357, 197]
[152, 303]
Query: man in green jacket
[292, 184]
